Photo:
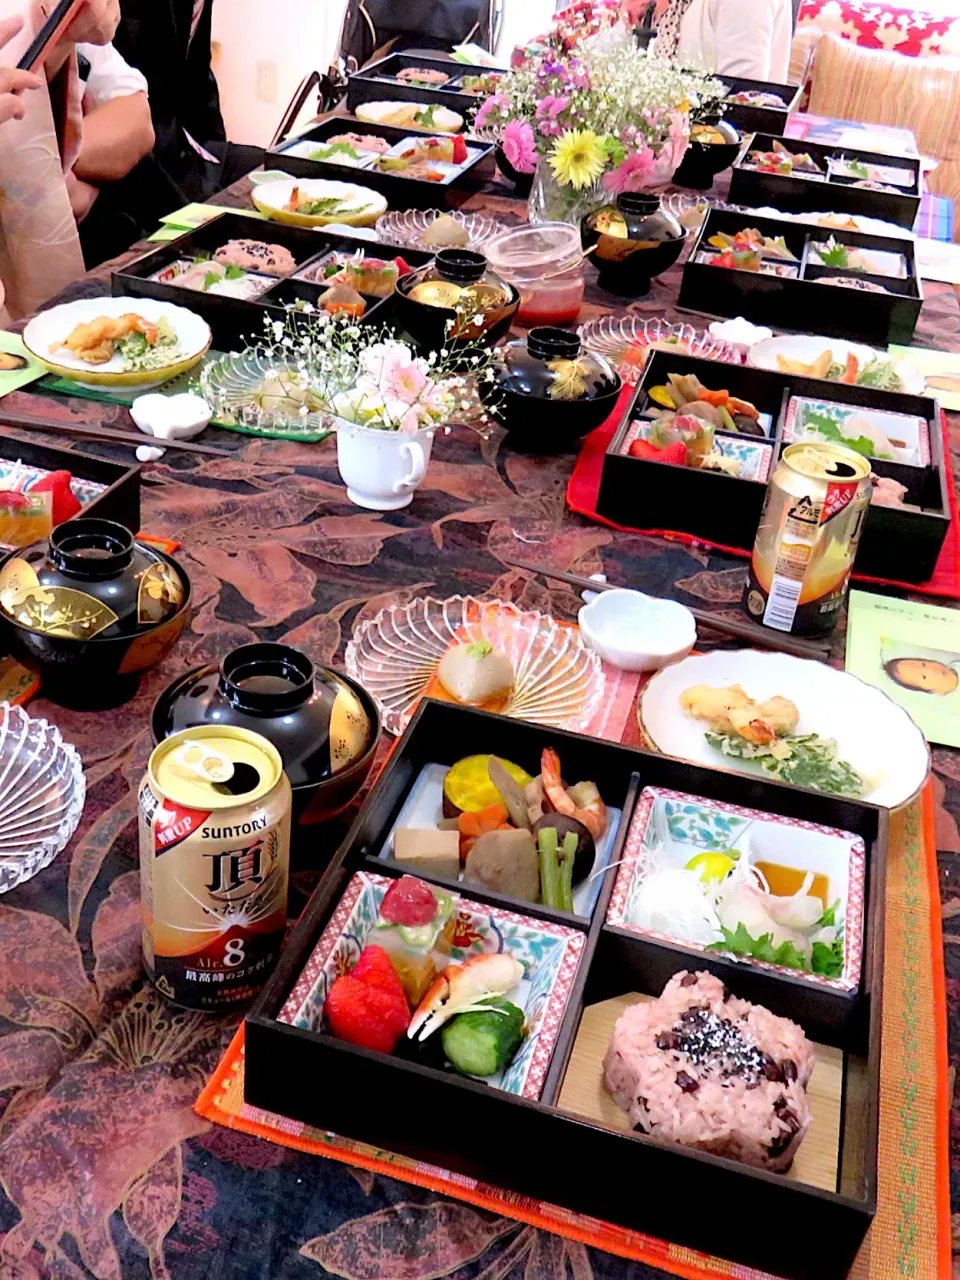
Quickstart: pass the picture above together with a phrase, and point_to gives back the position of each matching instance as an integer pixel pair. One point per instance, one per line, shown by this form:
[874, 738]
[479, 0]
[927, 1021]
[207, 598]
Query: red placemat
[584, 488]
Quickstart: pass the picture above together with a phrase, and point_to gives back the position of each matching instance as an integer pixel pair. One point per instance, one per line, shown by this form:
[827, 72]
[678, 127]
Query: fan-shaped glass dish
[558, 681]
[234, 385]
[624, 340]
[406, 228]
[42, 789]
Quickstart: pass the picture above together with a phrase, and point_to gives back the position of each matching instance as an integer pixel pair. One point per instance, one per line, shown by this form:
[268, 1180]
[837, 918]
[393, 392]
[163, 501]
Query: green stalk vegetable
[550, 887]
[569, 852]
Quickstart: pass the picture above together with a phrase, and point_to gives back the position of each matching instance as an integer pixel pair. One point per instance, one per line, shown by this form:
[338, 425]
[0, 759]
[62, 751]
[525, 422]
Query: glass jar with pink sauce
[545, 263]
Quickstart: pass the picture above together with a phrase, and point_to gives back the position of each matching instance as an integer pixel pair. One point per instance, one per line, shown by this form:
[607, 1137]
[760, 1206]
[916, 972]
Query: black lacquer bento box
[108, 490]
[378, 82]
[296, 156]
[898, 543]
[557, 1141]
[750, 118]
[835, 189]
[234, 321]
[805, 295]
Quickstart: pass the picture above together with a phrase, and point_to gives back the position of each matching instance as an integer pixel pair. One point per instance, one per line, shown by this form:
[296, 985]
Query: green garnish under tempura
[810, 761]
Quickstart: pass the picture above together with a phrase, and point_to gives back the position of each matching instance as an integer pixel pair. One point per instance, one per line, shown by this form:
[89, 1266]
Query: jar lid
[525, 254]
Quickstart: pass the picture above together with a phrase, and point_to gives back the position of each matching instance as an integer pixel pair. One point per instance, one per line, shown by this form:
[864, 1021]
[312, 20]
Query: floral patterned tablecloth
[105, 1169]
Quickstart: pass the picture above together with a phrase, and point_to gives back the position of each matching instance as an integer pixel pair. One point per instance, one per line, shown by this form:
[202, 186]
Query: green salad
[325, 207]
[803, 759]
[140, 355]
[336, 148]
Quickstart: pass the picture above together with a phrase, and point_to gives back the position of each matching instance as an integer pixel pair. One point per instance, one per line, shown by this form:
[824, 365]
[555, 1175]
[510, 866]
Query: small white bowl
[636, 632]
[176, 417]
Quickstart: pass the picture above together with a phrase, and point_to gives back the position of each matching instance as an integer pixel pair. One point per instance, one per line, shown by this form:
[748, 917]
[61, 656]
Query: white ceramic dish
[836, 221]
[423, 808]
[878, 262]
[177, 417]
[807, 418]
[401, 116]
[549, 953]
[637, 632]
[46, 330]
[763, 355]
[670, 828]
[307, 150]
[872, 733]
[359, 205]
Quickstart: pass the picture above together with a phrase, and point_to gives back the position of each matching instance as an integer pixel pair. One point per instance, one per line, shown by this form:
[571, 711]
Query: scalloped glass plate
[229, 384]
[612, 336]
[42, 789]
[559, 681]
[406, 229]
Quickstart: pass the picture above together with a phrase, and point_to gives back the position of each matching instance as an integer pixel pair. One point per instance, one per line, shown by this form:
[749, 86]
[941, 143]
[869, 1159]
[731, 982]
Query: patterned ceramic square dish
[906, 438]
[669, 828]
[753, 456]
[550, 954]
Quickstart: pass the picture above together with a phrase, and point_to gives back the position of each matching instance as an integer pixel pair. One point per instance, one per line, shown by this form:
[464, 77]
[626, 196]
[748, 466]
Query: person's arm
[95, 23]
[743, 37]
[116, 136]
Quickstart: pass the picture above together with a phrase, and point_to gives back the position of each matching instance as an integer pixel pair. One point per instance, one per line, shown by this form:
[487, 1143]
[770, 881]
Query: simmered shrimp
[94, 341]
[592, 813]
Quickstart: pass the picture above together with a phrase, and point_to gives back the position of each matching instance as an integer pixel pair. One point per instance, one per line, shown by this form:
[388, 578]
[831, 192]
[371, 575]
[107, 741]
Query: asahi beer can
[803, 556]
[214, 864]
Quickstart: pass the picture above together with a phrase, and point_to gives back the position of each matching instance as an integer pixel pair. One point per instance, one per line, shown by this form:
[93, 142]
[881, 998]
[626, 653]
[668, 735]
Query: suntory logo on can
[214, 891]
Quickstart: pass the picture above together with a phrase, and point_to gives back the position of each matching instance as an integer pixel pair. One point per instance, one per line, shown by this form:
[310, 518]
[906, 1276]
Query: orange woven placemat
[911, 1233]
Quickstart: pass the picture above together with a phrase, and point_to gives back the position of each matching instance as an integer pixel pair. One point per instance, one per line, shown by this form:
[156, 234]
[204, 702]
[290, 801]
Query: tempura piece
[731, 710]
[94, 342]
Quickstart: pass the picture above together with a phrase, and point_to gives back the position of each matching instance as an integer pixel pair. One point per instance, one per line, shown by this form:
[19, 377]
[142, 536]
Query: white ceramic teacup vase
[382, 469]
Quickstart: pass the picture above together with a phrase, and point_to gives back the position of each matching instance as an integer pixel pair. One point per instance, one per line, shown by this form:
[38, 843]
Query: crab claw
[461, 986]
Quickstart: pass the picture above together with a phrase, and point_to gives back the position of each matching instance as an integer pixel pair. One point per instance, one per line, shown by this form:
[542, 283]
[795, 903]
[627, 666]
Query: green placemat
[184, 382]
[121, 395]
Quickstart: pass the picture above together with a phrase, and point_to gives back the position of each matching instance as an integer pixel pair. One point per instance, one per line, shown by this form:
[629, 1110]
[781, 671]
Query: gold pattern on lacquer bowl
[50, 611]
[160, 593]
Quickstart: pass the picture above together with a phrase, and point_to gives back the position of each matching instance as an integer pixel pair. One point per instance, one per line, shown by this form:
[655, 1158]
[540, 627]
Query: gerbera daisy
[578, 158]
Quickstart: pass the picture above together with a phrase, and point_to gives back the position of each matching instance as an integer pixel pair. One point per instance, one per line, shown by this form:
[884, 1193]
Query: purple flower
[519, 146]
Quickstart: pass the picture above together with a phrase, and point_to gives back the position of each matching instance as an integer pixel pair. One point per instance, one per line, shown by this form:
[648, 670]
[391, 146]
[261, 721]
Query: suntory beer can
[809, 530]
[214, 864]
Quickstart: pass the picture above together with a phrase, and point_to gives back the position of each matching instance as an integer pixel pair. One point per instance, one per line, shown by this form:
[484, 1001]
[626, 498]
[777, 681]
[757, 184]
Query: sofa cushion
[885, 26]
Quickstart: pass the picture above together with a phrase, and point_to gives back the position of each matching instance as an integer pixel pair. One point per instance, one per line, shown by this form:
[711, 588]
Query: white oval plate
[51, 327]
[873, 734]
[763, 355]
[362, 206]
[444, 120]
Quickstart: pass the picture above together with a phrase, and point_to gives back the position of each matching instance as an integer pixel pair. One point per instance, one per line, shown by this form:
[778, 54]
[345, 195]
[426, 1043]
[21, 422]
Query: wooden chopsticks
[91, 431]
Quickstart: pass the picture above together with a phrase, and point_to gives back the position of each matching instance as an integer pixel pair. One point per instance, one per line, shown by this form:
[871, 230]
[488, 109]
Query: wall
[262, 50]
